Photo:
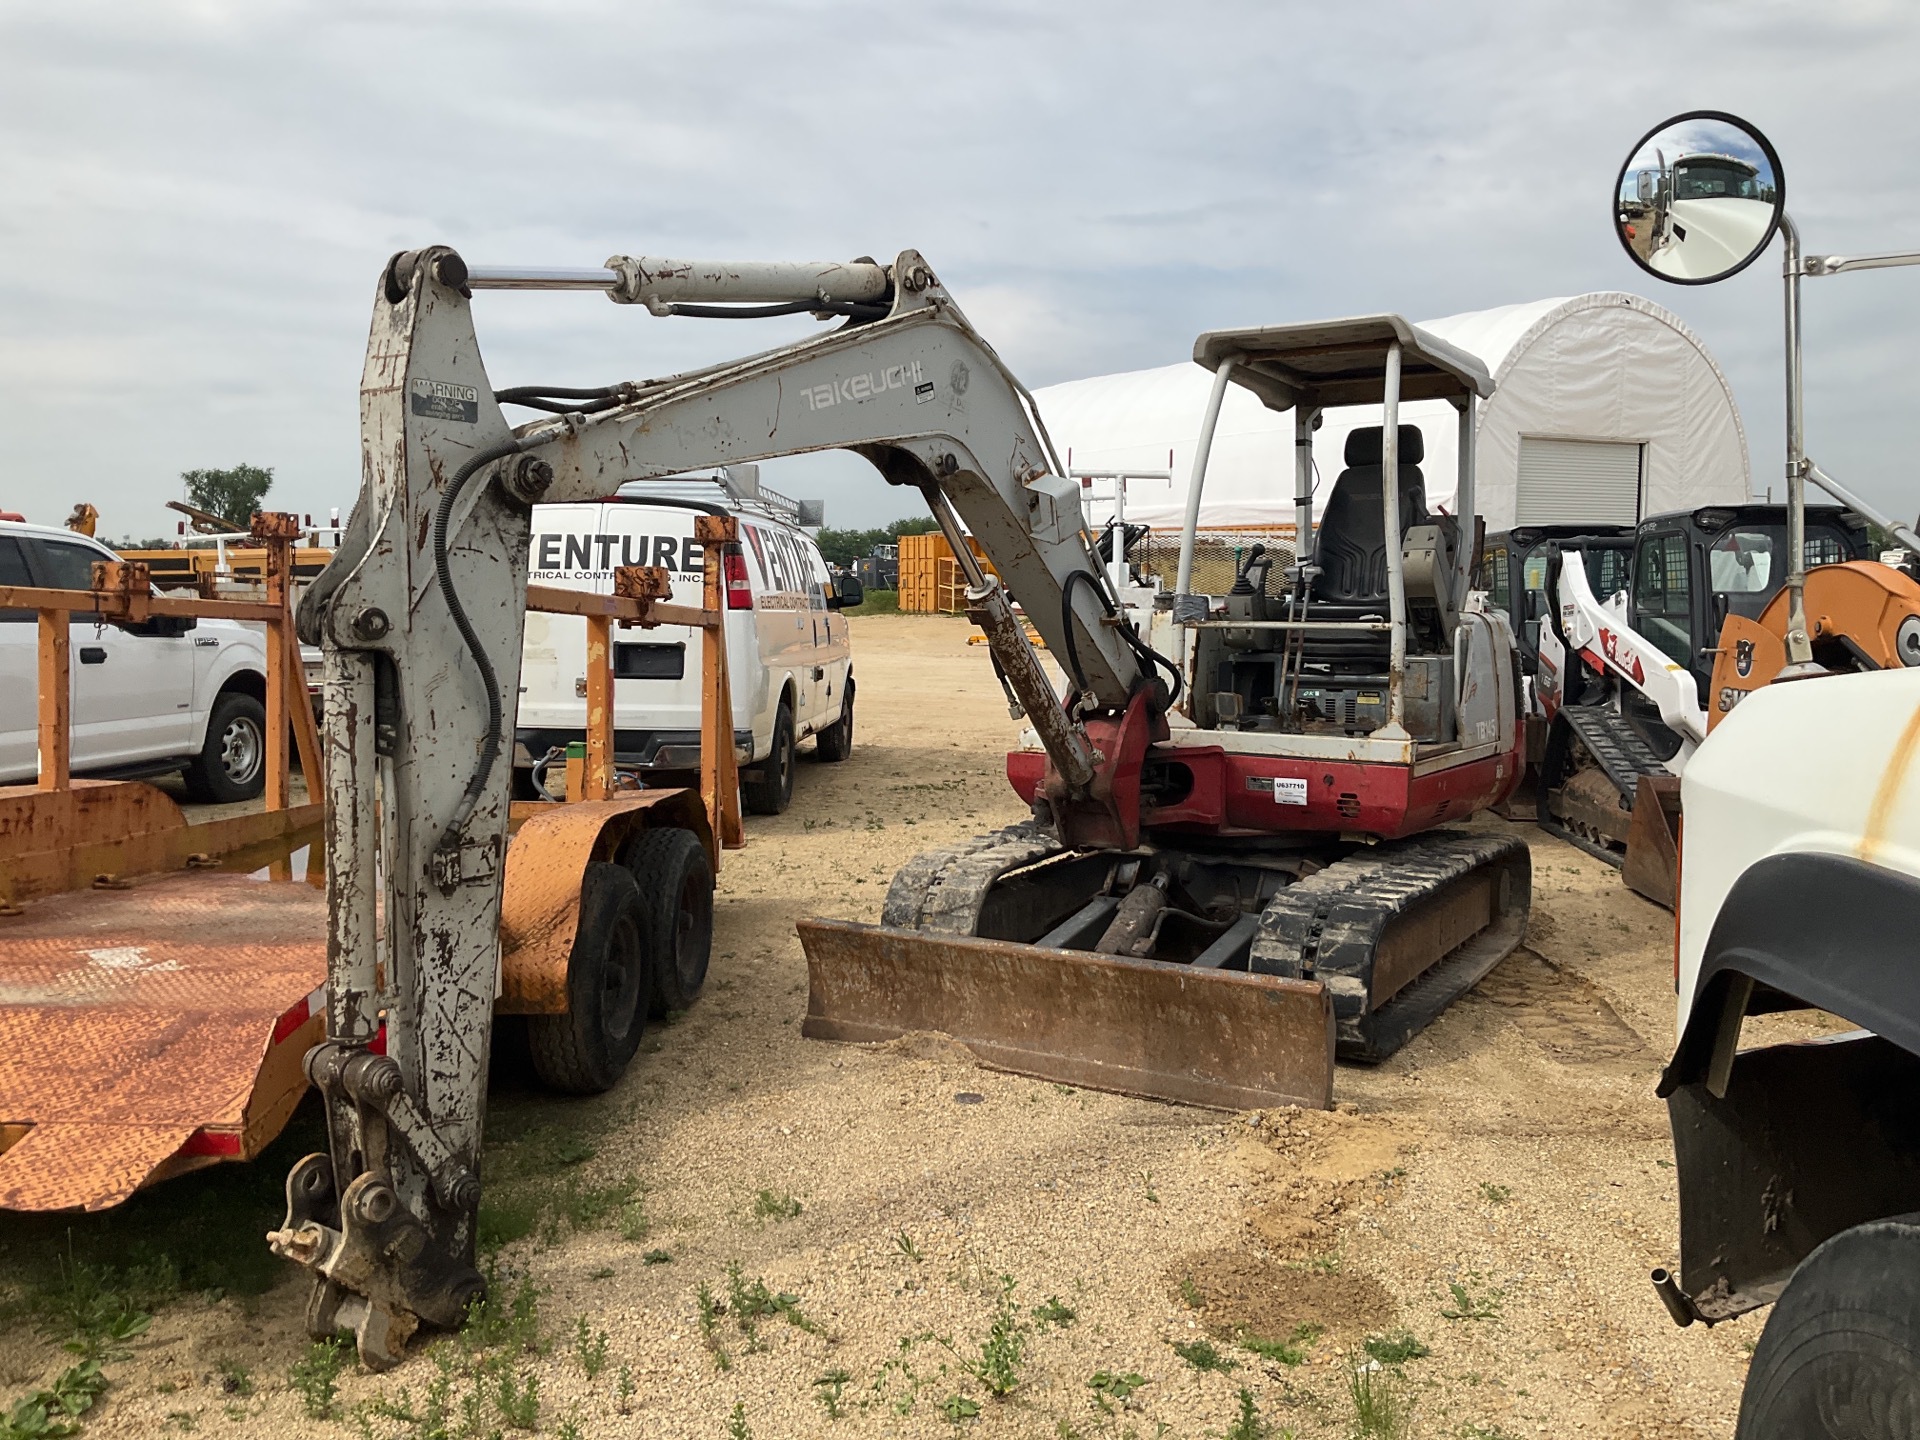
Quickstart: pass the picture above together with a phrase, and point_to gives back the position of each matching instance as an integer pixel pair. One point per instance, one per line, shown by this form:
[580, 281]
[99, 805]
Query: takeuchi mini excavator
[1272, 821]
[1199, 894]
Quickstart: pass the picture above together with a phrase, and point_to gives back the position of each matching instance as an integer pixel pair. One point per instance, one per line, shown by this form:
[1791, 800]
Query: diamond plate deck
[152, 1029]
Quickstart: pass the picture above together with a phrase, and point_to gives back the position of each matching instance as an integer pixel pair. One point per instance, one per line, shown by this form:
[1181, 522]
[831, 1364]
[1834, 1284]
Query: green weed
[1112, 1392]
[1190, 1293]
[710, 1312]
[1292, 1351]
[998, 1367]
[517, 1400]
[56, 1410]
[774, 1205]
[656, 1257]
[1380, 1410]
[234, 1379]
[1494, 1194]
[958, 1407]
[589, 1348]
[1468, 1306]
[1395, 1348]
[751, 1301]
[1202, 1355]
[623, 1391]
[903, 1242]
[1055, 1313]
[737, 1423]
[830, 1390]
[315, 1375]
[1247, 1422]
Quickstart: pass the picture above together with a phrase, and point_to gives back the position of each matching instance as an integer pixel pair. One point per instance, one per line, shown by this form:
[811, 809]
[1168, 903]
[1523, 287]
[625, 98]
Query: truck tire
[1840, 1357]
[586, 1050]
[770, 792]
[671, 866]
[836, 741]
[232, 764]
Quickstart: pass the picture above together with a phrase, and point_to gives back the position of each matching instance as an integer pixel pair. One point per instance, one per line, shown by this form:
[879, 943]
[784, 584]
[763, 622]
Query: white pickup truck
[169, 694]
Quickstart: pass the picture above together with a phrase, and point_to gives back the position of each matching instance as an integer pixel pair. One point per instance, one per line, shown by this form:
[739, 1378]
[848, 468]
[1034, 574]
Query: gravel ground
[1498, 1191]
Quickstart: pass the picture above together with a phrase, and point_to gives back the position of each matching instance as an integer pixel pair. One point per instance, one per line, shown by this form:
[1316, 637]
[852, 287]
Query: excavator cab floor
[152, 1029]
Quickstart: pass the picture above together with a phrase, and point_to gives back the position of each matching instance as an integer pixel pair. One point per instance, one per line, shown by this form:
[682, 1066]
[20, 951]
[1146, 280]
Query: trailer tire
[836, 741]
[1840, 1356]
[770, 792]
[672, 868]
[586, 1050]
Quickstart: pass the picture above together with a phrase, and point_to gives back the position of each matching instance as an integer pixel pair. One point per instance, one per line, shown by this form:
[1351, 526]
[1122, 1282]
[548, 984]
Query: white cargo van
[789, 662]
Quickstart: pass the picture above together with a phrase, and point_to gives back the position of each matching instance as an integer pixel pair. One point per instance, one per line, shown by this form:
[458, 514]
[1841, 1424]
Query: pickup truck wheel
[1840, 1357]
[586, 1050]
[771, 791]
[671, 866]
[836, 741]
[232, 764]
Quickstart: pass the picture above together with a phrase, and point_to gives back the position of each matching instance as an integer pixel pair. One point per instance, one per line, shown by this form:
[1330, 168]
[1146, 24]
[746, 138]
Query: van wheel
[1840, 1356]
[586, 1050]
[771, 791]
[671, 866]
[232, 764]
[836, 741]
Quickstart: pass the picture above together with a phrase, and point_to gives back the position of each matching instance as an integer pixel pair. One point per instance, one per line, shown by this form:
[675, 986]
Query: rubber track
[942, 891]
[1621, 754]
[1328, 927]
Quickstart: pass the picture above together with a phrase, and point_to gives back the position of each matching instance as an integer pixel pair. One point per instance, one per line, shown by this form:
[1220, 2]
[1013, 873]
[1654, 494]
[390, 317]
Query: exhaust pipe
[1676, 1301]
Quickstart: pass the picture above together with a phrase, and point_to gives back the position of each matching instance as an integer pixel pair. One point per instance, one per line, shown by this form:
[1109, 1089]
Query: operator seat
[1351, 547]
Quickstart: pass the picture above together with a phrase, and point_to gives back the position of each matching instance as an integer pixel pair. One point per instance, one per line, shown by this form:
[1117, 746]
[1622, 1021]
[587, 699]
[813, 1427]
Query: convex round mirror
[1699, 197]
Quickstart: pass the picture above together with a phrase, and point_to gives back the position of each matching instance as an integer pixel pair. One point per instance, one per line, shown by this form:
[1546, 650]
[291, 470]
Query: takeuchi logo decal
[855, 388]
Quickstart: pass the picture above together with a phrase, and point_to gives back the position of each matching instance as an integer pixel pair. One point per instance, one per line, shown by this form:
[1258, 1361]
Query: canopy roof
[1602, 366]
[1342, 362]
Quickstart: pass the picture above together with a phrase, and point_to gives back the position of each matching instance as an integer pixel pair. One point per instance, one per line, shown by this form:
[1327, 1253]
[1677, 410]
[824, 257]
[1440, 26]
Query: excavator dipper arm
[420, 617]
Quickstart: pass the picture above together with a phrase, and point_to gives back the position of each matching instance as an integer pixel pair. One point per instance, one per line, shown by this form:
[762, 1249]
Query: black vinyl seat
[1351, 546]
[1350, 549]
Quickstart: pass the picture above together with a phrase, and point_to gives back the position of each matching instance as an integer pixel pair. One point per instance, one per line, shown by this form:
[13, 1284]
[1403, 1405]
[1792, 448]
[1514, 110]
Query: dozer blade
[1228, 1040]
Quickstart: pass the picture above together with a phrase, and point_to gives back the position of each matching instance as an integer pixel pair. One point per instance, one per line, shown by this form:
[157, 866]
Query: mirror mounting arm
[1841, 264]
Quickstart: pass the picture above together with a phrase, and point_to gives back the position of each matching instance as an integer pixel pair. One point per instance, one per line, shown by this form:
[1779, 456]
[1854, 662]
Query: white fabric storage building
[1607, 408]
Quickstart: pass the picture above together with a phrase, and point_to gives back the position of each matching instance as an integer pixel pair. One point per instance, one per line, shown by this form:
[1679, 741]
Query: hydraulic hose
[1148, 656]
[490, 747]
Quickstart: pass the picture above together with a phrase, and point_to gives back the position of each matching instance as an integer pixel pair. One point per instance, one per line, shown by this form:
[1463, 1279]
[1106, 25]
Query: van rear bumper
[636, 749]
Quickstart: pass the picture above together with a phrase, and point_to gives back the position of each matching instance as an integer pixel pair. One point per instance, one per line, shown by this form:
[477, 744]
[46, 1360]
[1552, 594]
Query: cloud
[200, 197]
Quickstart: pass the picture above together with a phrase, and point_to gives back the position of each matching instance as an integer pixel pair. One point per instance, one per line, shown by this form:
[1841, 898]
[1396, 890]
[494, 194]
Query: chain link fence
[1217, 557]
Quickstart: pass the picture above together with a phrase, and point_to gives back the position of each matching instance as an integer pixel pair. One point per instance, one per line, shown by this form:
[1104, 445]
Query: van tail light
[734, 570]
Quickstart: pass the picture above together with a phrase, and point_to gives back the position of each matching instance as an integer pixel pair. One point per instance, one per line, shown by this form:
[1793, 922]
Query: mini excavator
[1204, 898]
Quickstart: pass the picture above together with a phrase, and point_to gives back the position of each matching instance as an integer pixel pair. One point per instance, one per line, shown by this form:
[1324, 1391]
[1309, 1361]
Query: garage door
[1577, 482]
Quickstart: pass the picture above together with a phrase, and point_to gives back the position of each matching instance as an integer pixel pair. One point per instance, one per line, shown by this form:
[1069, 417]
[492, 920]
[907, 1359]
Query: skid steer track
[1400, 931]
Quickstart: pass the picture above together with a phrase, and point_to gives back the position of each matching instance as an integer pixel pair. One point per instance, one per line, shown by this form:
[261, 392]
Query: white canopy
[1605, 367]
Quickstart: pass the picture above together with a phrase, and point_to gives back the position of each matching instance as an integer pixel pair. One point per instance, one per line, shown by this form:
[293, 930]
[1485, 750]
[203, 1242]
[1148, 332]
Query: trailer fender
[546, 864]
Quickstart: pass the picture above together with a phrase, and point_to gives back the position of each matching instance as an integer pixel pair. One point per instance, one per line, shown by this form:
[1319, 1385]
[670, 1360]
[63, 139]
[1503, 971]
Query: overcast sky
[198, 198]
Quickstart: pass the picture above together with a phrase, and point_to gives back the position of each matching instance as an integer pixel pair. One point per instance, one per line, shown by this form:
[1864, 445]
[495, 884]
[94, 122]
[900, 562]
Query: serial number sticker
[1289, 792]
[923, 392]
[437, 400]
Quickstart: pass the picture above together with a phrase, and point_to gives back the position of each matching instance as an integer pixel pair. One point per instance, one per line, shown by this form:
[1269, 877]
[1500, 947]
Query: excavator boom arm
[420, 619]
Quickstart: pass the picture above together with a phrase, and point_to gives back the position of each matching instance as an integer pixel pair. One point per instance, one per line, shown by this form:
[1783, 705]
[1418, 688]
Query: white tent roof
[1603, 366]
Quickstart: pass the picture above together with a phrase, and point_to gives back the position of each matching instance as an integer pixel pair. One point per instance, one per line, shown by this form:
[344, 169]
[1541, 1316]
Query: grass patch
[1202, 1355]
[876, 602]
[830, 1390]
[774, 1205]
[1395, 1348]
[1494, 1194]
[1055, 1313]
[1113, 1393]
[1292, 1351]
[1380, 1407]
